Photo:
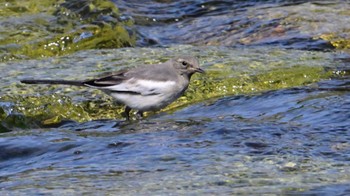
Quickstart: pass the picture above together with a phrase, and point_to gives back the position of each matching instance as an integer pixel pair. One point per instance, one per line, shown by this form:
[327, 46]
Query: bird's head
[187, 65]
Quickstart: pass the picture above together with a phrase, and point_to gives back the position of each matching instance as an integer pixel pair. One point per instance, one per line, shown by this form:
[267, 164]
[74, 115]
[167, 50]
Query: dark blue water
[293, 24]
[271, 142]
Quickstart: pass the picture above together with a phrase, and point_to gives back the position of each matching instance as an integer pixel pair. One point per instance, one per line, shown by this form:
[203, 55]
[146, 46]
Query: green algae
[339, 41]
[53, 28]
[101, 37]
[218, 84]
[49, 109]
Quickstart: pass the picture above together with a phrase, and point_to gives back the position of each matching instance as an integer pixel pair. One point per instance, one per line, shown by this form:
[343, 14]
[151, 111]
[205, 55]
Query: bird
[143, 88]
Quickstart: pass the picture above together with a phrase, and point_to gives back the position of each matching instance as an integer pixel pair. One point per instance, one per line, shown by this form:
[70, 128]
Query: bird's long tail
[63, 82]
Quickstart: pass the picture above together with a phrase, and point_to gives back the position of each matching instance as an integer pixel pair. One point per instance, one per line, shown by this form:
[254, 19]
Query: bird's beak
[199, 70]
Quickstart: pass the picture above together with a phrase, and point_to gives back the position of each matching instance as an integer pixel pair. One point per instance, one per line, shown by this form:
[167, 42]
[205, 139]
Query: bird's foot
[127, 113]
[139, 115]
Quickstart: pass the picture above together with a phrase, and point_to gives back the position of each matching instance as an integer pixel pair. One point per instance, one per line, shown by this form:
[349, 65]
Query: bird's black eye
[184, 63]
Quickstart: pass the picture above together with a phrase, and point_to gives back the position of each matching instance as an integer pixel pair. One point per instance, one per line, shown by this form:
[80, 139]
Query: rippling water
[275, 142]
[290, 141]
[289, 24]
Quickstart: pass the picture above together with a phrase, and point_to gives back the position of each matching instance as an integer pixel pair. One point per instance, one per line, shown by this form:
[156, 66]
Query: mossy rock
[61, 28]
[338, 41]
[52, 109]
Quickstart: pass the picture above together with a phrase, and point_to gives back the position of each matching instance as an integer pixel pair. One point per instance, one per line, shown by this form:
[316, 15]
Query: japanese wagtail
[144, 88]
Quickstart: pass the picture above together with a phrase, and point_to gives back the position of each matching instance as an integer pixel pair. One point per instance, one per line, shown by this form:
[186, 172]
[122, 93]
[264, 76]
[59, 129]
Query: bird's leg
[127, 112]
[139, 115]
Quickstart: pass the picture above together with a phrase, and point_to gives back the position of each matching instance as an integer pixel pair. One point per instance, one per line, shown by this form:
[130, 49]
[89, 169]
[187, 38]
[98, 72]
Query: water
[265, 119]
[275, 142]
[290, 24]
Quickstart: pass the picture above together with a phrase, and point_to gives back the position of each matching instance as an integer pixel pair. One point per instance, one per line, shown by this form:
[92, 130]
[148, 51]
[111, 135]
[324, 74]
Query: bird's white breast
[144, 87]
[149, 95]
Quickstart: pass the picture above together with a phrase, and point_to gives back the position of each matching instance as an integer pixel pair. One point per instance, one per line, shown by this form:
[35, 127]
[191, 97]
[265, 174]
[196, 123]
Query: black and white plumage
[144, 88]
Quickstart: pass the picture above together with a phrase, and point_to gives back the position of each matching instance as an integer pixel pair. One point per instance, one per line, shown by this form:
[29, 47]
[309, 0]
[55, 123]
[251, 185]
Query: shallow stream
[271, 116]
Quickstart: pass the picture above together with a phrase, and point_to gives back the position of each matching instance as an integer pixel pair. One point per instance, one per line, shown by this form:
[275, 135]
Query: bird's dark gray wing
[124, 82]
[108, 80]
[144, 80]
